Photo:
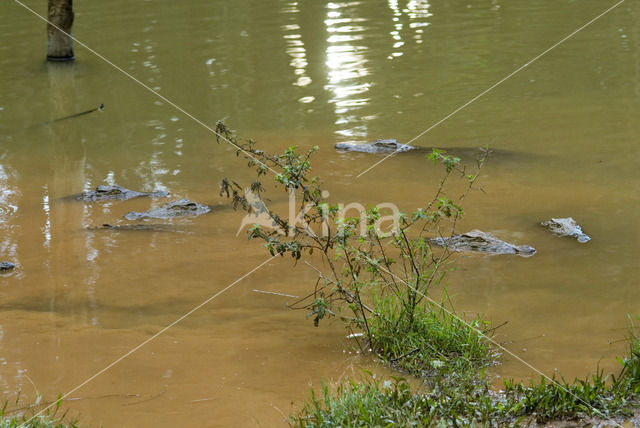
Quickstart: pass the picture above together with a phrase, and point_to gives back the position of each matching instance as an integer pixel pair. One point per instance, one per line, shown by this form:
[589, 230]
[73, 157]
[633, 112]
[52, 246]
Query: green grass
[364, 405]
[39, 422]
[457, 393]
[431, 344]
[599, 396]
[45, 422]
[22, 418]
[392, 403]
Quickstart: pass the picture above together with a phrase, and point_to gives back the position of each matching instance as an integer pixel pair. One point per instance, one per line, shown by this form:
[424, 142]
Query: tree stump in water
[59, 44]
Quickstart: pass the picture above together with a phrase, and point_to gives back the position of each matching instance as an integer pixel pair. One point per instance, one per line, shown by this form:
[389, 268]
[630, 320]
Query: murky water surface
[301, 73]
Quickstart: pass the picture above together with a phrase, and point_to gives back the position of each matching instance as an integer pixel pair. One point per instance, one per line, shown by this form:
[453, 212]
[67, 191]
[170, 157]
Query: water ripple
[7, 210]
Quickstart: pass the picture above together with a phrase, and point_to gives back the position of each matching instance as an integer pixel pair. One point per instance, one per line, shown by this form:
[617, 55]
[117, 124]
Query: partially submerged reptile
[4, 266]
[390, 146]
[181, 208]
[135, 227]
[377, 147]
[566, 227]
[115, 192]
[478, 241]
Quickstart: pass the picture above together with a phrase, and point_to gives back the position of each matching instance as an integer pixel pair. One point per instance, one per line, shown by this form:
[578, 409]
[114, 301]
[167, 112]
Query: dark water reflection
[301, 73]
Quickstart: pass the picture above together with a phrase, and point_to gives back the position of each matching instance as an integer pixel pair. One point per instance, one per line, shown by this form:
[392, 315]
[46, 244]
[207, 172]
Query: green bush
[385, 282]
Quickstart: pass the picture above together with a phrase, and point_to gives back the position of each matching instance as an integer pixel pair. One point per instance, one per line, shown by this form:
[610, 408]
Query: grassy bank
[451, 360]
[26, 417]
[39, 422]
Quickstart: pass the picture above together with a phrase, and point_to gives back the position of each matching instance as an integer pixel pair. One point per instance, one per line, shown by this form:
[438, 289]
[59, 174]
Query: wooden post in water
[59, 44]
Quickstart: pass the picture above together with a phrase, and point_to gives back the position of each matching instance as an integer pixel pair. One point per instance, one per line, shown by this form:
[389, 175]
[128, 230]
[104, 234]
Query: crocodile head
[379, 146]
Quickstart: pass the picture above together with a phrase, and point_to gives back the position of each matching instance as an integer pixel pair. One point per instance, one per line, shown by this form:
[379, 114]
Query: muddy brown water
[301, 73]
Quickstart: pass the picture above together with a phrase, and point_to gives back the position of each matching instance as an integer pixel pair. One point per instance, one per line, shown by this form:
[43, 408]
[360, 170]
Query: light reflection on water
[350, 38]
[417, 11]
[295, 49]
[9, 210]
[347, 70]
[46, 229]
[8, 206]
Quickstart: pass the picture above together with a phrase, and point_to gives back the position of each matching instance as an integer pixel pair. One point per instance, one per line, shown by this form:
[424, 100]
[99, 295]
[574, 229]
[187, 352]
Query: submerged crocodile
[115, 192]
[483, 242]
[378, 147]
[6, 266]
[566, 227]
[135, 227]
[181, 208]
[393, 146]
